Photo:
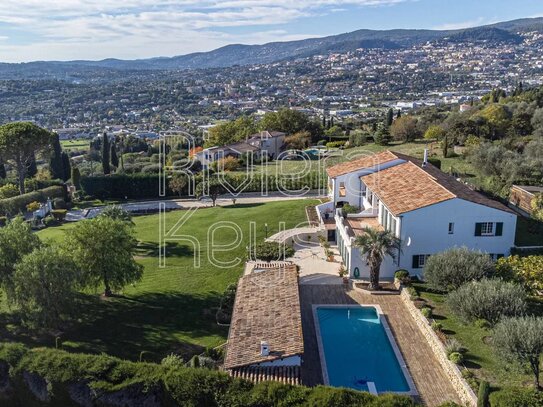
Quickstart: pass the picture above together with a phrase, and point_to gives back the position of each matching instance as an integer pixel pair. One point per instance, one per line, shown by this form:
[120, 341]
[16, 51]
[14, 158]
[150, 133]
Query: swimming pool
[358, 351]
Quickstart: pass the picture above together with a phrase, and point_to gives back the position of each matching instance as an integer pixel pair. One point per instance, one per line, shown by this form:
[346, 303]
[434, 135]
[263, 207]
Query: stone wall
[463, 389]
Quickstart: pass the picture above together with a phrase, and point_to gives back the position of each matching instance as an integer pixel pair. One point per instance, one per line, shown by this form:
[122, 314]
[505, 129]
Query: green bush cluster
[487, 299]
[12, 206]
[173, 384]
[270, 251]
[516, 397]
[335, 144]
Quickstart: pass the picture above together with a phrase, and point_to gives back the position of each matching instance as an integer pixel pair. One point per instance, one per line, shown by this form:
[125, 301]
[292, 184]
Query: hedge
[13, 206]
[141, 186]
[60, 378]
[516, 397]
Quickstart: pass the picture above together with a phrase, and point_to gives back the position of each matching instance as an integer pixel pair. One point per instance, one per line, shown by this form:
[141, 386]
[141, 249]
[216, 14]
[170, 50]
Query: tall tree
[390, 117]
[66, 166]
[103, 248]
[212, 188]
[374, 246]
[19, 142]
[76, 178]
[105, 154]
[3, 173]
[31, 167]
[16, 240]
[55, 160]
[44, 282]
[114, 159]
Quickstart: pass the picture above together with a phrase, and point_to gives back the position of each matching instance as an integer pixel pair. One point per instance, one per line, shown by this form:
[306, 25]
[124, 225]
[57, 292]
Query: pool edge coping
[382, 317]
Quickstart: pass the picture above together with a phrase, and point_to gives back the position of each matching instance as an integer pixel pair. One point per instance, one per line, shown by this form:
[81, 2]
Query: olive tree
[16, 240]
[487, 299]
[103, 249]
[521, 340]
[44, 282]
[448, 270]
[19, 143]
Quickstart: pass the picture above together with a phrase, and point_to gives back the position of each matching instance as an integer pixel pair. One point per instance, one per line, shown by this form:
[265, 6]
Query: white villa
[428, 210]
[269, 143]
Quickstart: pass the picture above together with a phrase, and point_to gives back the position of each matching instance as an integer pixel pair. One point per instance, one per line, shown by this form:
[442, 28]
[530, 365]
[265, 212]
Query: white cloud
[463, 24]
[95, 29]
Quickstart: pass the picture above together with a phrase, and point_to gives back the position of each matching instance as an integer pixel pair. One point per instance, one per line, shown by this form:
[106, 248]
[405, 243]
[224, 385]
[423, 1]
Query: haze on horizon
[33, 30]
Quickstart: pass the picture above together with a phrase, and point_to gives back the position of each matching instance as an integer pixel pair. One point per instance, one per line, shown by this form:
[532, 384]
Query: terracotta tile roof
[361, 163]
[409, 186]
[357, 225]
[267, 308]
[257, 374]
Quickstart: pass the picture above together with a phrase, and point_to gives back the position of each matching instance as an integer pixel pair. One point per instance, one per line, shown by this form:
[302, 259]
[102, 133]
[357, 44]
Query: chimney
[264, 348]
[425, 161]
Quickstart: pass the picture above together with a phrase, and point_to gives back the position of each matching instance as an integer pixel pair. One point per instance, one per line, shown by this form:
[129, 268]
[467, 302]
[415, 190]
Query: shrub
[33, 206]
[456, 357]
[413, 293]
[487, 299]
[59, 203]
[335, 144]
[516, 397]
[453, 346]
[350, 209]
[401, 274]
[50, 221]
[450, 269]
[528, 270]
[59, 214]
[426, 312]
[172, 360]
[270, 251]
[12, 206]
[8, 191]
[449, 404]
[436, 162]
[3, 221]
[482, 396]
[482, 324]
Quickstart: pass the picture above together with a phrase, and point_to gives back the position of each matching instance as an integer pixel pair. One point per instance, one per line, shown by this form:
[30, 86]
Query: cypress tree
[31, 167]
[105, 154]
[390, 117]
[55, 161]
[323, 121]
[66, 166]
[114, 159]
[399, 114]
[76, 178]
[3, 173]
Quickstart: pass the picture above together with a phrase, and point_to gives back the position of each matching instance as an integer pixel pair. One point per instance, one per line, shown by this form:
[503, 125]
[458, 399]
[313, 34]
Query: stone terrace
[432, 384]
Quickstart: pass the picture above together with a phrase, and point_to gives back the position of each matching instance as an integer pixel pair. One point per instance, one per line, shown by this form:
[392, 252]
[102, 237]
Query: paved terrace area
[430, 379]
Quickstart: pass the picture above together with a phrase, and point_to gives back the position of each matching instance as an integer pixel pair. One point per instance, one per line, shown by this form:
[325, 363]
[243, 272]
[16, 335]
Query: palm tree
[374, 246]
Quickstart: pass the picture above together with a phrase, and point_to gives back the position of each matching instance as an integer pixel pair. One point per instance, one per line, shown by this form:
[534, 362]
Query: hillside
[239, 54]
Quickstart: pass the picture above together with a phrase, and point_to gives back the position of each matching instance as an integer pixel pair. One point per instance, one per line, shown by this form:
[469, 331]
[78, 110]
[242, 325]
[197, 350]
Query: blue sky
[96, 29]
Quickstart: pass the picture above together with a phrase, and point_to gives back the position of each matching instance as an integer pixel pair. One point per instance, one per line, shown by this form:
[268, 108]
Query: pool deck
[432, 384]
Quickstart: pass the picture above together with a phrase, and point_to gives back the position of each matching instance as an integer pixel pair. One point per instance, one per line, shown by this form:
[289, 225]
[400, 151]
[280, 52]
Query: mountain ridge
[242, 54]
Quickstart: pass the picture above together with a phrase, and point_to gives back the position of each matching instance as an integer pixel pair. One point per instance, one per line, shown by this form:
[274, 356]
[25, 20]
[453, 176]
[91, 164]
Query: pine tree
[66, 166]
[76, 178]
[114, 159]
[55, 161]
[105, 154]
[390, 117]
[3, 173]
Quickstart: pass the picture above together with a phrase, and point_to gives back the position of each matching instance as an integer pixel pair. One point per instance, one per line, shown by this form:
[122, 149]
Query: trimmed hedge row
[142, 186]
[12, 206]
[50, 377]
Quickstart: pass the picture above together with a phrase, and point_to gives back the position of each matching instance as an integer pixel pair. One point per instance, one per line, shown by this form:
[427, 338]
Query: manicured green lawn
[173, 308]
[74, 144]
[481, 358]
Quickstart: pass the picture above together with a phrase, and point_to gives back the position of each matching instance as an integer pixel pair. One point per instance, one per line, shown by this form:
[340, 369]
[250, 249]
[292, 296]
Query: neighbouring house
[261, 144]
[521, 197]
[265, 341]
[428, 210]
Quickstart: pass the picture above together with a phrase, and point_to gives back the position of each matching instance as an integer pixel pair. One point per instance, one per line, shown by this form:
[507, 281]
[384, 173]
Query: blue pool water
[357, 350]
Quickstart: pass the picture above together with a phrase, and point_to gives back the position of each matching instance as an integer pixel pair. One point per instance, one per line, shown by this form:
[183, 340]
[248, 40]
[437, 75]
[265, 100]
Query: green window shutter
[499, 228]
[416, 262]
[478, 227]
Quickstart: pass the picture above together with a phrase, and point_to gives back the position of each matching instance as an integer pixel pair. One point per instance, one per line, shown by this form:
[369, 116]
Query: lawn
[481, 358]
[73, 145]
[173, 308]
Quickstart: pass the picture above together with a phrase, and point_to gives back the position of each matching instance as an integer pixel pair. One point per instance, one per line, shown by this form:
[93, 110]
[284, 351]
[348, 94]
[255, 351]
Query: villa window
[419, 260]
[451, 228]
[342, 189]
[489, 229]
